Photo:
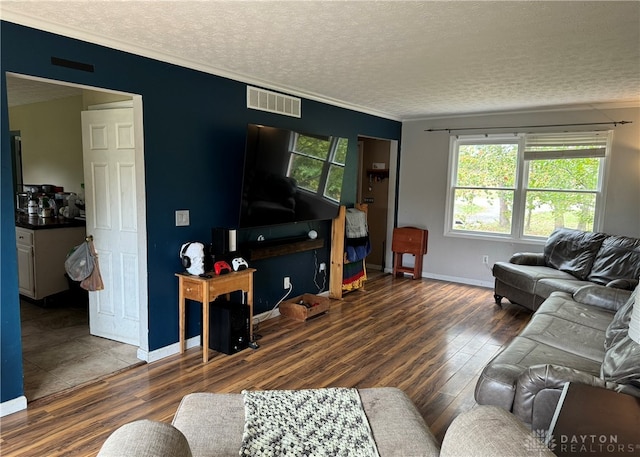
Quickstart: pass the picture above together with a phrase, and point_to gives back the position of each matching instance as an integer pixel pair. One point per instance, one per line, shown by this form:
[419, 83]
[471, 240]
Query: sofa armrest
[624, 283]
[528, 258]
[602, 296]
[533, 402]
[146, 438]
[489, 431]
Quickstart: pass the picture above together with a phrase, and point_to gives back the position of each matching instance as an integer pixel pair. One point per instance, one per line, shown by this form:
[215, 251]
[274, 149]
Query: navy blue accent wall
[10, 335]
[194, 136]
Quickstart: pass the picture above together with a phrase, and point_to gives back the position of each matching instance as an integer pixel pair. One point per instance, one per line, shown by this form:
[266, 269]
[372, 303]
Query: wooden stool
[409, 240]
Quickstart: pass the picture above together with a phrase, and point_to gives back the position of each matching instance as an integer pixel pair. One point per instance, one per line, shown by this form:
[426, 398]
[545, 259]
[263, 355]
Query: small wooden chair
[409, 240]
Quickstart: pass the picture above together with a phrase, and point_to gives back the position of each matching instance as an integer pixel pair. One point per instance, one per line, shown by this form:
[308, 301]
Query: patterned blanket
[314, 422]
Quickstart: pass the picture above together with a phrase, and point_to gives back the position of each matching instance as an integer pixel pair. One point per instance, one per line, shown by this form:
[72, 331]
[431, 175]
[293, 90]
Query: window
[525, 186]
[317, 164]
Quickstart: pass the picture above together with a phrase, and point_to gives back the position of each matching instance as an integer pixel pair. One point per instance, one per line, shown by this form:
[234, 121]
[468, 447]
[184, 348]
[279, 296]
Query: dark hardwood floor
[429, 338]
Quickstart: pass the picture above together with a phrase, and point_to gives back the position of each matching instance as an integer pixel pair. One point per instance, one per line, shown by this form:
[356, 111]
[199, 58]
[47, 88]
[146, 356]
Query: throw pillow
[619, 326]
[618, 257]
[572, 251]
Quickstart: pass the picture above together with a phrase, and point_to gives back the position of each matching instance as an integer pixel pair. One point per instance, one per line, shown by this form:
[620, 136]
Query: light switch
[182, 217]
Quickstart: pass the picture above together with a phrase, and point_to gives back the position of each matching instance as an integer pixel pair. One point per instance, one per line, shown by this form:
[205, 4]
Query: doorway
[376, 188]
[70, 326]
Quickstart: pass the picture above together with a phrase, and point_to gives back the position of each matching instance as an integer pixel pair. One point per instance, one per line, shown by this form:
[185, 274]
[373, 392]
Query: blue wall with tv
[194, 133]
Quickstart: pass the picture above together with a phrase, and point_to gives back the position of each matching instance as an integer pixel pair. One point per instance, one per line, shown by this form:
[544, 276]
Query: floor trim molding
[456, 279]
[172, 349]
[13, 406]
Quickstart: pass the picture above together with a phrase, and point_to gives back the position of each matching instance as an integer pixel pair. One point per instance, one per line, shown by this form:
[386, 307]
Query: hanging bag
[93, 282]
[79, 263]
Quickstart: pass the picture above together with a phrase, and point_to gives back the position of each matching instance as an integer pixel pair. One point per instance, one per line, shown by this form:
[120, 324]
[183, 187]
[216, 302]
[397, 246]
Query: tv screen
[290, 176]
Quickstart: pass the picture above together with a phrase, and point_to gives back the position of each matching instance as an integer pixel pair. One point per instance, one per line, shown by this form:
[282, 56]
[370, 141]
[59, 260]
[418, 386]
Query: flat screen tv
[290, 176]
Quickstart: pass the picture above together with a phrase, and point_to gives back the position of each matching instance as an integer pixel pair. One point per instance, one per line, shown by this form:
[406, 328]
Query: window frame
[521, 186]
[326, 163]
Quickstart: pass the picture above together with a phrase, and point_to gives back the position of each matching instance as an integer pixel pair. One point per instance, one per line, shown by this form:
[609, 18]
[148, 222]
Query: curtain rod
[614, 123]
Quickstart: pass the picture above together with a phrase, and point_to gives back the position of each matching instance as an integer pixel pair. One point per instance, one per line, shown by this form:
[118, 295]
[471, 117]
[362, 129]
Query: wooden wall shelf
[267, 249]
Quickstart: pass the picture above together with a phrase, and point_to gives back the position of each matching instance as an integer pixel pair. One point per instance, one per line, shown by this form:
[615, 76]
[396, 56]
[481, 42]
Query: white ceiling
[23, 91]
[398, 59]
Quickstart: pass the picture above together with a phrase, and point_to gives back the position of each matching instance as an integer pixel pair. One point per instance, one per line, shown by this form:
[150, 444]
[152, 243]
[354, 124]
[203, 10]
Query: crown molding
[121, 45]
[596, 106]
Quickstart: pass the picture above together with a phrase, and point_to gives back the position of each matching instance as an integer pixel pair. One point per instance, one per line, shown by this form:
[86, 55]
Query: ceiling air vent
[265, 100]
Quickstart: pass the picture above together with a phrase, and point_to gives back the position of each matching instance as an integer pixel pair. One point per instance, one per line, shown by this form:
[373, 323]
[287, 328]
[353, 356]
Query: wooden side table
[408, 240]
[206, 290]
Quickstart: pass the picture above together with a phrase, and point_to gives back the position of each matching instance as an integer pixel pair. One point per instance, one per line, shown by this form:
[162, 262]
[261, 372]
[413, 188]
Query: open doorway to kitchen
[58, 350]
[376, 187]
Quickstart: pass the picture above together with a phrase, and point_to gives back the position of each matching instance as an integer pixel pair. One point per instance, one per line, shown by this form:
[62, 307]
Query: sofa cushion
[214, 423]
[561, 305]
[572, 251]
[600, 296]
[146, 438]
[546, 286]
[619, 326]
[486, 431]
[567, 336]
[618, 258]
[525, 277]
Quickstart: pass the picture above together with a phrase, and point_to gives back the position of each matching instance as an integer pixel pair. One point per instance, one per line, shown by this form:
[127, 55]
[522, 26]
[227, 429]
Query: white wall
[423, 187]
[51, 142]
[51, 133]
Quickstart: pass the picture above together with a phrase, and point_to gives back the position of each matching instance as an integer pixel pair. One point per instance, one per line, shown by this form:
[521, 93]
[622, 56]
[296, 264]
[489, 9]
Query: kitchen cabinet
[41, 256]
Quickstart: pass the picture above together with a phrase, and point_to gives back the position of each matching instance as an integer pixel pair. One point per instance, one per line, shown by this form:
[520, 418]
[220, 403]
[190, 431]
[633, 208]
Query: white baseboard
[265, 316]
[456, 279]
[468, 281]
[13, 406]
[166, 351]
[172, 349]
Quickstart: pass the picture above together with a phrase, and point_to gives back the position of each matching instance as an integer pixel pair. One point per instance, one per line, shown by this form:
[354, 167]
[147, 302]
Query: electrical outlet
[323, 266]
[287, 282]
[485, 259]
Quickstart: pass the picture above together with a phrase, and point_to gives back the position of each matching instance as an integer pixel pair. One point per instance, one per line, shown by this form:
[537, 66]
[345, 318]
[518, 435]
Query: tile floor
[58, 352]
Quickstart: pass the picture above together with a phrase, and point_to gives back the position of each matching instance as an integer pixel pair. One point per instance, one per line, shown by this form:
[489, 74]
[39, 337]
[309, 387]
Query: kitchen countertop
[39, 223]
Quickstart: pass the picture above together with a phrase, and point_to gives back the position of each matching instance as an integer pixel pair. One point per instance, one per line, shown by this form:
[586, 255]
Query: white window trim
[516, 234]
[326, 164]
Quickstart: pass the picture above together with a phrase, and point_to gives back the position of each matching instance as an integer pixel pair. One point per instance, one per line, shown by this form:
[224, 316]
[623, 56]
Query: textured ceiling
[22, 91]
[398, 59]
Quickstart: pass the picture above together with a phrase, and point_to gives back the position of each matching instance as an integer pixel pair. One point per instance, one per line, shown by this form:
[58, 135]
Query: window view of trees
[317, 164]
[485, 187]
[307, 160]
[333, 188]
[560, 185]
[561, 193]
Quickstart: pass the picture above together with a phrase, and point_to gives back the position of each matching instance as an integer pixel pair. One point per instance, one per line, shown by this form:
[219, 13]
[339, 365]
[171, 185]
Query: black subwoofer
[228, 327]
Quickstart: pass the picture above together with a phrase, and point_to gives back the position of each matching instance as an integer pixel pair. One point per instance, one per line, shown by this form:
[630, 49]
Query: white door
[108, 145]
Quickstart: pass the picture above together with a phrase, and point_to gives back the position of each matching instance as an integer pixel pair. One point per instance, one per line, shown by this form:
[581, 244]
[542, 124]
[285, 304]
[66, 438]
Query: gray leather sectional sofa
[571, 338]
[582, 289]
[571, 259]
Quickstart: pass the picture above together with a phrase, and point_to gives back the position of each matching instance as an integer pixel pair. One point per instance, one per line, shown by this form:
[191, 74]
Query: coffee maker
[22, 202]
